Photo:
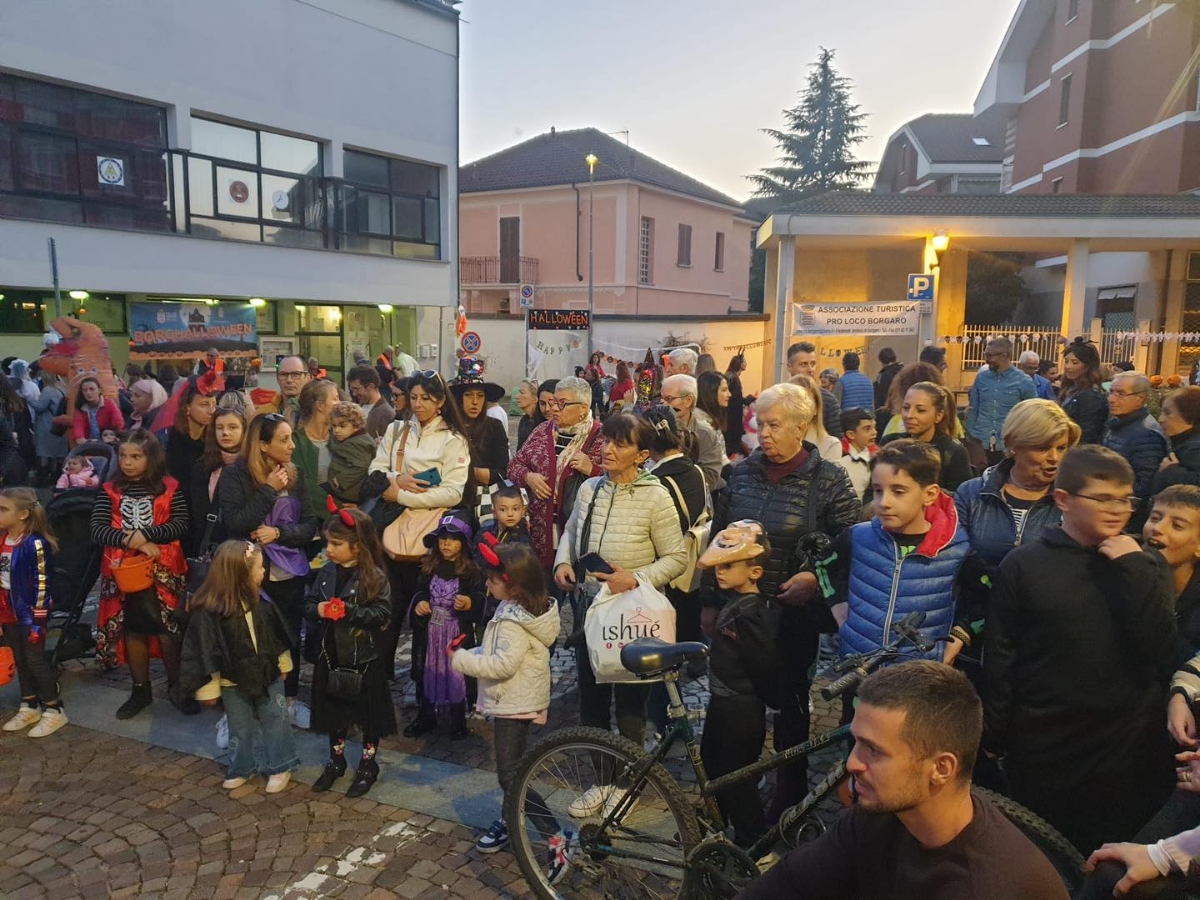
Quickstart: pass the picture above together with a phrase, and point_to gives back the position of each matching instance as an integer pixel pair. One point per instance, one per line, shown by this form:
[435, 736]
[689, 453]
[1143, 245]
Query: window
[389, 206]
[69, 155]
[981, 142]
[1072, 10]
[646, 252]
[1064, 101]
[1056, 186]
[684, 256]
[719, 258]
[30, 312]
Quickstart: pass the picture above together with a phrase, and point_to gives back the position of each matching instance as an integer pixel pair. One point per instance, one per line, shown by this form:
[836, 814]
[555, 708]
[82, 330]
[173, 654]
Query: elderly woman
[1180, 421]
[559, 455]
[148, 397]
[792, 491]
[527, 402]
[628, 518]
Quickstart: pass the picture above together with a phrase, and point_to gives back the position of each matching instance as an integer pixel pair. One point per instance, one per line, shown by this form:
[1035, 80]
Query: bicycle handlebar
[841, 685]
[858, 667]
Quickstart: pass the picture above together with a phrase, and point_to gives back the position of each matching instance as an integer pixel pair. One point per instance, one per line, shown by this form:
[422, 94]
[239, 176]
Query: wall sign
[186, 330]
[110, 171]
[856, 318]
[559, 319]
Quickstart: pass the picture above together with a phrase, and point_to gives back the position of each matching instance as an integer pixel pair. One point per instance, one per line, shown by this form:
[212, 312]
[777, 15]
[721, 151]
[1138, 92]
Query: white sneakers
[301, 715]
[591, 802]
[278, 782]
[223, 733]
[26, 716]
[616, 795]
[52, 720]
[233, 783]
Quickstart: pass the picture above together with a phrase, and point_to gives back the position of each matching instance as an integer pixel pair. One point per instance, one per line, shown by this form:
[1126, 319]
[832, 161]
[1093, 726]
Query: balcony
[498, 270]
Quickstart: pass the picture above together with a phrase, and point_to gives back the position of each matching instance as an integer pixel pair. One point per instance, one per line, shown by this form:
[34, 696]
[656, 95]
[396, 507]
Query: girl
[349, 606]
[513, 668]
[236, 648]
[183, 439]
[930, 416]
[449, 598]
[94, 413]
[24, 607]
[141, 512]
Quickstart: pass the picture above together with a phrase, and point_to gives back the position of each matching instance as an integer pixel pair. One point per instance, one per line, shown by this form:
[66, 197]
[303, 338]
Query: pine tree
[817, 149]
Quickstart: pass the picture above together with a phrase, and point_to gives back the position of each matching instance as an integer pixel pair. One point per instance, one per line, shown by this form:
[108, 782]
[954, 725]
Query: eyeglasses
[563, 404]
[291, 374]
[1124, 393]
[1114, 503]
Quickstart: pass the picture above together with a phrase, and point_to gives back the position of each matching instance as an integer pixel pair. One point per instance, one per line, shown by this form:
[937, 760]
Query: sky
[694, 80]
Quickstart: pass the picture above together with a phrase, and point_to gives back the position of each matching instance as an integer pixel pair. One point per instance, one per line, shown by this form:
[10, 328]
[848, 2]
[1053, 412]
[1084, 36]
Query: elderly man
[997, 389]
[1029, 364]
[292, 375]
[681, 394]
[211, 355]
[680, 361]
[403, 364]
[363, 382]
[802, 360]
[1134, 434]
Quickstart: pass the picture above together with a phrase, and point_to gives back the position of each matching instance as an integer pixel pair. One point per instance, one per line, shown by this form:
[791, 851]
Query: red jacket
[108, 416]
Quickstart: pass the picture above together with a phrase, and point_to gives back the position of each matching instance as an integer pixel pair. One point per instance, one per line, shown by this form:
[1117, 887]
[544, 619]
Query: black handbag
[198, 566]
[344, 684]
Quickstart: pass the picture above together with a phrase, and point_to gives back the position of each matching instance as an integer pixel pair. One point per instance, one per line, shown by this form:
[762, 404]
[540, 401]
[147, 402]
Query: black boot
[334, 769]
[458, 722]
[185, 703]
[364, 777]
[138, 700]
[425, 722]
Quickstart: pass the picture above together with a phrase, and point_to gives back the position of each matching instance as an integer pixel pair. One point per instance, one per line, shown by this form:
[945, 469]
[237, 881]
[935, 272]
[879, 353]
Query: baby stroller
[76, 566]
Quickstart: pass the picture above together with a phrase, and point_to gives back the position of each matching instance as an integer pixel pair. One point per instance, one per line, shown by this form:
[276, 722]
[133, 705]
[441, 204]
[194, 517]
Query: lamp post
[938, 243]
[591, 160]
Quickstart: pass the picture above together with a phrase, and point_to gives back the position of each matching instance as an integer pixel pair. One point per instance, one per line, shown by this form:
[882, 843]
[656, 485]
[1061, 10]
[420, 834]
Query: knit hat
[452, 523]
[470, 375]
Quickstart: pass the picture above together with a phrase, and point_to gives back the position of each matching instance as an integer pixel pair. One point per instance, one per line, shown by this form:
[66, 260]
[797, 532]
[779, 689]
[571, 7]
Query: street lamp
[591, 160]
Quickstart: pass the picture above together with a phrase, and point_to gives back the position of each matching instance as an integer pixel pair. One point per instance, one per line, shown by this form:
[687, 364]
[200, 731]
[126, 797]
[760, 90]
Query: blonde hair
[943, 402]
[350, 413]
[817, 425]
[1038, 423]
[796, 402]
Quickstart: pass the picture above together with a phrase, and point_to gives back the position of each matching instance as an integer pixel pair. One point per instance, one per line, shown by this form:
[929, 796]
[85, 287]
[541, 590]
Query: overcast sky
[694, 80]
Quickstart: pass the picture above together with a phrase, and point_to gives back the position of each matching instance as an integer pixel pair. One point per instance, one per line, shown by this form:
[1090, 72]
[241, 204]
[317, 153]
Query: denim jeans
[510, 737]
[278, 741]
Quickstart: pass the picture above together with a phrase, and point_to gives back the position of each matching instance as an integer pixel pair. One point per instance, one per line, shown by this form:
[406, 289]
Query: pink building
[665, 244]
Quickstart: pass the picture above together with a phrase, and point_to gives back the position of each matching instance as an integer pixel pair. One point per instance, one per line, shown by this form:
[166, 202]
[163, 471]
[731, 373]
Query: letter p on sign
[920, 287]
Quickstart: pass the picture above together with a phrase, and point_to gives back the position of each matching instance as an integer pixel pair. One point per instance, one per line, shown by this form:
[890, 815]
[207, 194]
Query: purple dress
[442, 684]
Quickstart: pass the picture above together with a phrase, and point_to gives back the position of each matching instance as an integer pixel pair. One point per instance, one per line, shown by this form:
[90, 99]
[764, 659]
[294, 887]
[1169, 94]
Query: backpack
[695, 540]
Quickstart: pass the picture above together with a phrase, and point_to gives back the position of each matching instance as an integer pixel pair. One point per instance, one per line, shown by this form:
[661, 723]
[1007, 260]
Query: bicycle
[649, 839]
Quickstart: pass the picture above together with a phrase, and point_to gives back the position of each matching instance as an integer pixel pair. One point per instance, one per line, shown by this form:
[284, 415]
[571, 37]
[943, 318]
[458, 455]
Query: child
[858, 448]
[77, 473]
[507, 526]
[141, 513]
[110, 436]
[513, 668]
[237, 649]
[447, 603]
[349, 606]
[350, 452]
[744, 668]
[1079, 649]
[24, 608]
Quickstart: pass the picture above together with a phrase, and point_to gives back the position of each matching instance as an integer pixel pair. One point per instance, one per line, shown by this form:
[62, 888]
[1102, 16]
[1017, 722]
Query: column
[785, 278]
[1073, 322]
[1173, 308]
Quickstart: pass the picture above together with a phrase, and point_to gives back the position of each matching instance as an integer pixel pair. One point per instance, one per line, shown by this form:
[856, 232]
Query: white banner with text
[814, 319]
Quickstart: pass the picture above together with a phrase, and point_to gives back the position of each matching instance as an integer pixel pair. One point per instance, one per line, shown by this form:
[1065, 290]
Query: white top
[498, 413]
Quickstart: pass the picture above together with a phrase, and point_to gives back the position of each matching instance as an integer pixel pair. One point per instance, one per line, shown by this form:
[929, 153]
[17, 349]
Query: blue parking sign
[920, 287]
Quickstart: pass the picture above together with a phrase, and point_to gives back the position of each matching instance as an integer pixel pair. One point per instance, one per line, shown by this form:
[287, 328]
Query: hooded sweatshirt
[512, 663]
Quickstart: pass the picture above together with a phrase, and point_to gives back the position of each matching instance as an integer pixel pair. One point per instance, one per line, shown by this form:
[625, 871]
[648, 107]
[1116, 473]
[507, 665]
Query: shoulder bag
[404, 538]
[695, 540]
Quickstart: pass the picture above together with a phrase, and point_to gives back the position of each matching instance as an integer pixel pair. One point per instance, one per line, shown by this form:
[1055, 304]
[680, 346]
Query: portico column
[785, 280]
[1075, 289]
[1173, 308]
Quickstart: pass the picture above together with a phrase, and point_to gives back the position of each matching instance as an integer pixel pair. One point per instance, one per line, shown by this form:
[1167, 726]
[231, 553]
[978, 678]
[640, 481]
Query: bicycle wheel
[1063, 855]
[640, 857]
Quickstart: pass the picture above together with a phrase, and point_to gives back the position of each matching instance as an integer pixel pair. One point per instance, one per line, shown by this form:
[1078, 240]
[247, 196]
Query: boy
[744, 673]
[507, 526]
[904, 560]
[858, 448]
[1079, 647]
[350, 452]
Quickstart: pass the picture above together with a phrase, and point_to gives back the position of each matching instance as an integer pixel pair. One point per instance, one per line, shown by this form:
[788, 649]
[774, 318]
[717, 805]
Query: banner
[856, 318]
[559, 319]
[161, 330]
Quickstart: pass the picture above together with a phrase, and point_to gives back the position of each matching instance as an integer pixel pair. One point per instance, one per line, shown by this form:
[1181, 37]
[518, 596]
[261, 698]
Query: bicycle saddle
[649, 656]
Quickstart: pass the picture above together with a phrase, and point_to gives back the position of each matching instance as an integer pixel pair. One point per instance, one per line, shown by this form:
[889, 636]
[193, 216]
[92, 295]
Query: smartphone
[431, 477]
[594, 562]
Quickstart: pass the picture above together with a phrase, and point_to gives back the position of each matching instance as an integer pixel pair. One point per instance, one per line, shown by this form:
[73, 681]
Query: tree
[816, 151]
[995, 289]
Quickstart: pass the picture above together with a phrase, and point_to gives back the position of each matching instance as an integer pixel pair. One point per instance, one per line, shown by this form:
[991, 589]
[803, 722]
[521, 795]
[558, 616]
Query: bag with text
[614, 620]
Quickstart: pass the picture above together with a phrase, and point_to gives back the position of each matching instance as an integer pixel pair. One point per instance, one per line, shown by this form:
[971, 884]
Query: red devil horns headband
[344, 515]
[488, 552]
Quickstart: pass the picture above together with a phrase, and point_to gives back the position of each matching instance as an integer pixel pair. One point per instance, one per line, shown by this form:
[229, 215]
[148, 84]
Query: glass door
[319, 334]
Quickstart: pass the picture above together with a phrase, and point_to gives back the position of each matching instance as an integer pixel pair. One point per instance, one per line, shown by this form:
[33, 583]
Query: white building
[300, 151]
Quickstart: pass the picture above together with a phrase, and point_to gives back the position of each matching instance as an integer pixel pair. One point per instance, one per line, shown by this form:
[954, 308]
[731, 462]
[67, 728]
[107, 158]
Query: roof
[1071, 206]
[950, 137]
[557, 158]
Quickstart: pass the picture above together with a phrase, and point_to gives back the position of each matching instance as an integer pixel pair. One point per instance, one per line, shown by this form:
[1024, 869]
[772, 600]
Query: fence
[1114, 346]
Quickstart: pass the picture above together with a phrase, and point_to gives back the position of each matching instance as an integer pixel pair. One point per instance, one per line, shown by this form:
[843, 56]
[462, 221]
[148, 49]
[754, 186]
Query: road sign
[527, 296]
[471, 342]
[920, 287]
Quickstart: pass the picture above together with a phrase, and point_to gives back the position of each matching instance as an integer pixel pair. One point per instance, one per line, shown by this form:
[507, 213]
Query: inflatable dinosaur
[82, 353]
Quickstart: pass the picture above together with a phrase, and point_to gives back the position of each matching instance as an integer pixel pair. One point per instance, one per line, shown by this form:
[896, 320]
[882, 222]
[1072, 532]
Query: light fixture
[940, 241]
[591, 159]
[257, 301]
[210, 302]
[78, 295]
[1, 296]
[383, 307]
[300, 308]
[335, 315]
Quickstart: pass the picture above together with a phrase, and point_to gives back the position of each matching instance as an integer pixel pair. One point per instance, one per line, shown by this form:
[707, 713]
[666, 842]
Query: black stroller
[76, 566]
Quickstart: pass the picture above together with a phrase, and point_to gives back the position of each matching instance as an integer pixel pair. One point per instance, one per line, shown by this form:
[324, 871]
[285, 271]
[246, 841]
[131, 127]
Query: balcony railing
[498, 270]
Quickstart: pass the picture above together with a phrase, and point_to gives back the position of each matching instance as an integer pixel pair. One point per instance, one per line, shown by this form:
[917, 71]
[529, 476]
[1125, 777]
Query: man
[681, 394]
[292, 375]
[883, 381]
[680, 361]
[1135, 434]
[856, 387]
[314, 368]
[403, 364]
[997, 389]
[802, 360]
[363, 382]
[916, 832]
[211, 355]
[1029, 364]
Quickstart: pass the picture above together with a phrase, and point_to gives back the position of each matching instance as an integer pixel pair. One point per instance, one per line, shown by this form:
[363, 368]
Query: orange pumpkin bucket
[133, 573]
[8, 665]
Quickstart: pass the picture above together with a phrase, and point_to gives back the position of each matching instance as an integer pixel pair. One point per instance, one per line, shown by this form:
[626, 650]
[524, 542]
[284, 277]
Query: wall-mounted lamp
[257, 301]
[78, 295]
[940, 241]
[335, 315]
[300, 308]
[386, 308]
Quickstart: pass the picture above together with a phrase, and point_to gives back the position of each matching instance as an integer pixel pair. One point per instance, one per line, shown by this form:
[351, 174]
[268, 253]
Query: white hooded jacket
[513, 662]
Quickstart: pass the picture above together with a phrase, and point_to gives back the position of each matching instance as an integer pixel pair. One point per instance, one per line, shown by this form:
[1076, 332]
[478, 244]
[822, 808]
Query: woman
[50, 447]
[184, 439]
[94, 413]
[1180, 421]
[712, 400]
[1081, 395]
[628, 518]
[317, 399]
[792, 493]
[223, 441]
[531, 417]
[263, 498]
[929, 415]
[486, 437]
[12, 467]
[431, 439]
[399, 390]
[559, 455]
[620, 395]
[596, 365]
[827, 445]
[829, 382]
[546, 403]
[735, 426]
[705, 363]
[147, 397]
[890, 420]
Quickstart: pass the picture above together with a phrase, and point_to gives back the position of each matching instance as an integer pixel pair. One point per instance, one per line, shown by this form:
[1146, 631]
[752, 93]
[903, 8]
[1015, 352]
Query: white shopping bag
[614, 620]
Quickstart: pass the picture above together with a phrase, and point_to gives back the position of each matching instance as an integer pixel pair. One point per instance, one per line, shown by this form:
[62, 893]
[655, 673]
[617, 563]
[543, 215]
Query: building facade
[944, 153]
[300, 154]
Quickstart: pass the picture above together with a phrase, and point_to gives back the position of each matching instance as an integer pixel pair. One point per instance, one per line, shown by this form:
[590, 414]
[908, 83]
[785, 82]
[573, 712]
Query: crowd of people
[1050, 535]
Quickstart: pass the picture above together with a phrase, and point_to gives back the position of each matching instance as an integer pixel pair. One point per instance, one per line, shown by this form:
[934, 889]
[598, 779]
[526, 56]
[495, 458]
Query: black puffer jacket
[783, 510]
[1089, 409]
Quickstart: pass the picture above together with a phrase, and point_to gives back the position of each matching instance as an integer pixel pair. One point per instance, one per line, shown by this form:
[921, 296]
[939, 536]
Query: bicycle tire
[1063, 855]
[584, 739]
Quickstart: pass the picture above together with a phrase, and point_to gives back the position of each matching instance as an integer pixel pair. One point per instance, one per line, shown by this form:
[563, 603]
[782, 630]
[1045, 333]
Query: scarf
[93, 413]
[227, 459]
[578, 433]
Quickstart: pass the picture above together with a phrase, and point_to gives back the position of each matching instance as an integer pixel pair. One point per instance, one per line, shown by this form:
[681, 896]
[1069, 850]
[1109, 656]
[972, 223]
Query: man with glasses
[1080, 642]
[680, 393]
[1029, 363]
[292, 375]
[1136, 435]
[996, 390]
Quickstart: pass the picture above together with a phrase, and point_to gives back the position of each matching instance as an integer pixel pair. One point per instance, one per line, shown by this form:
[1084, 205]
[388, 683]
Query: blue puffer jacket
[987, 520]
[885, 587]
[1138, 438]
